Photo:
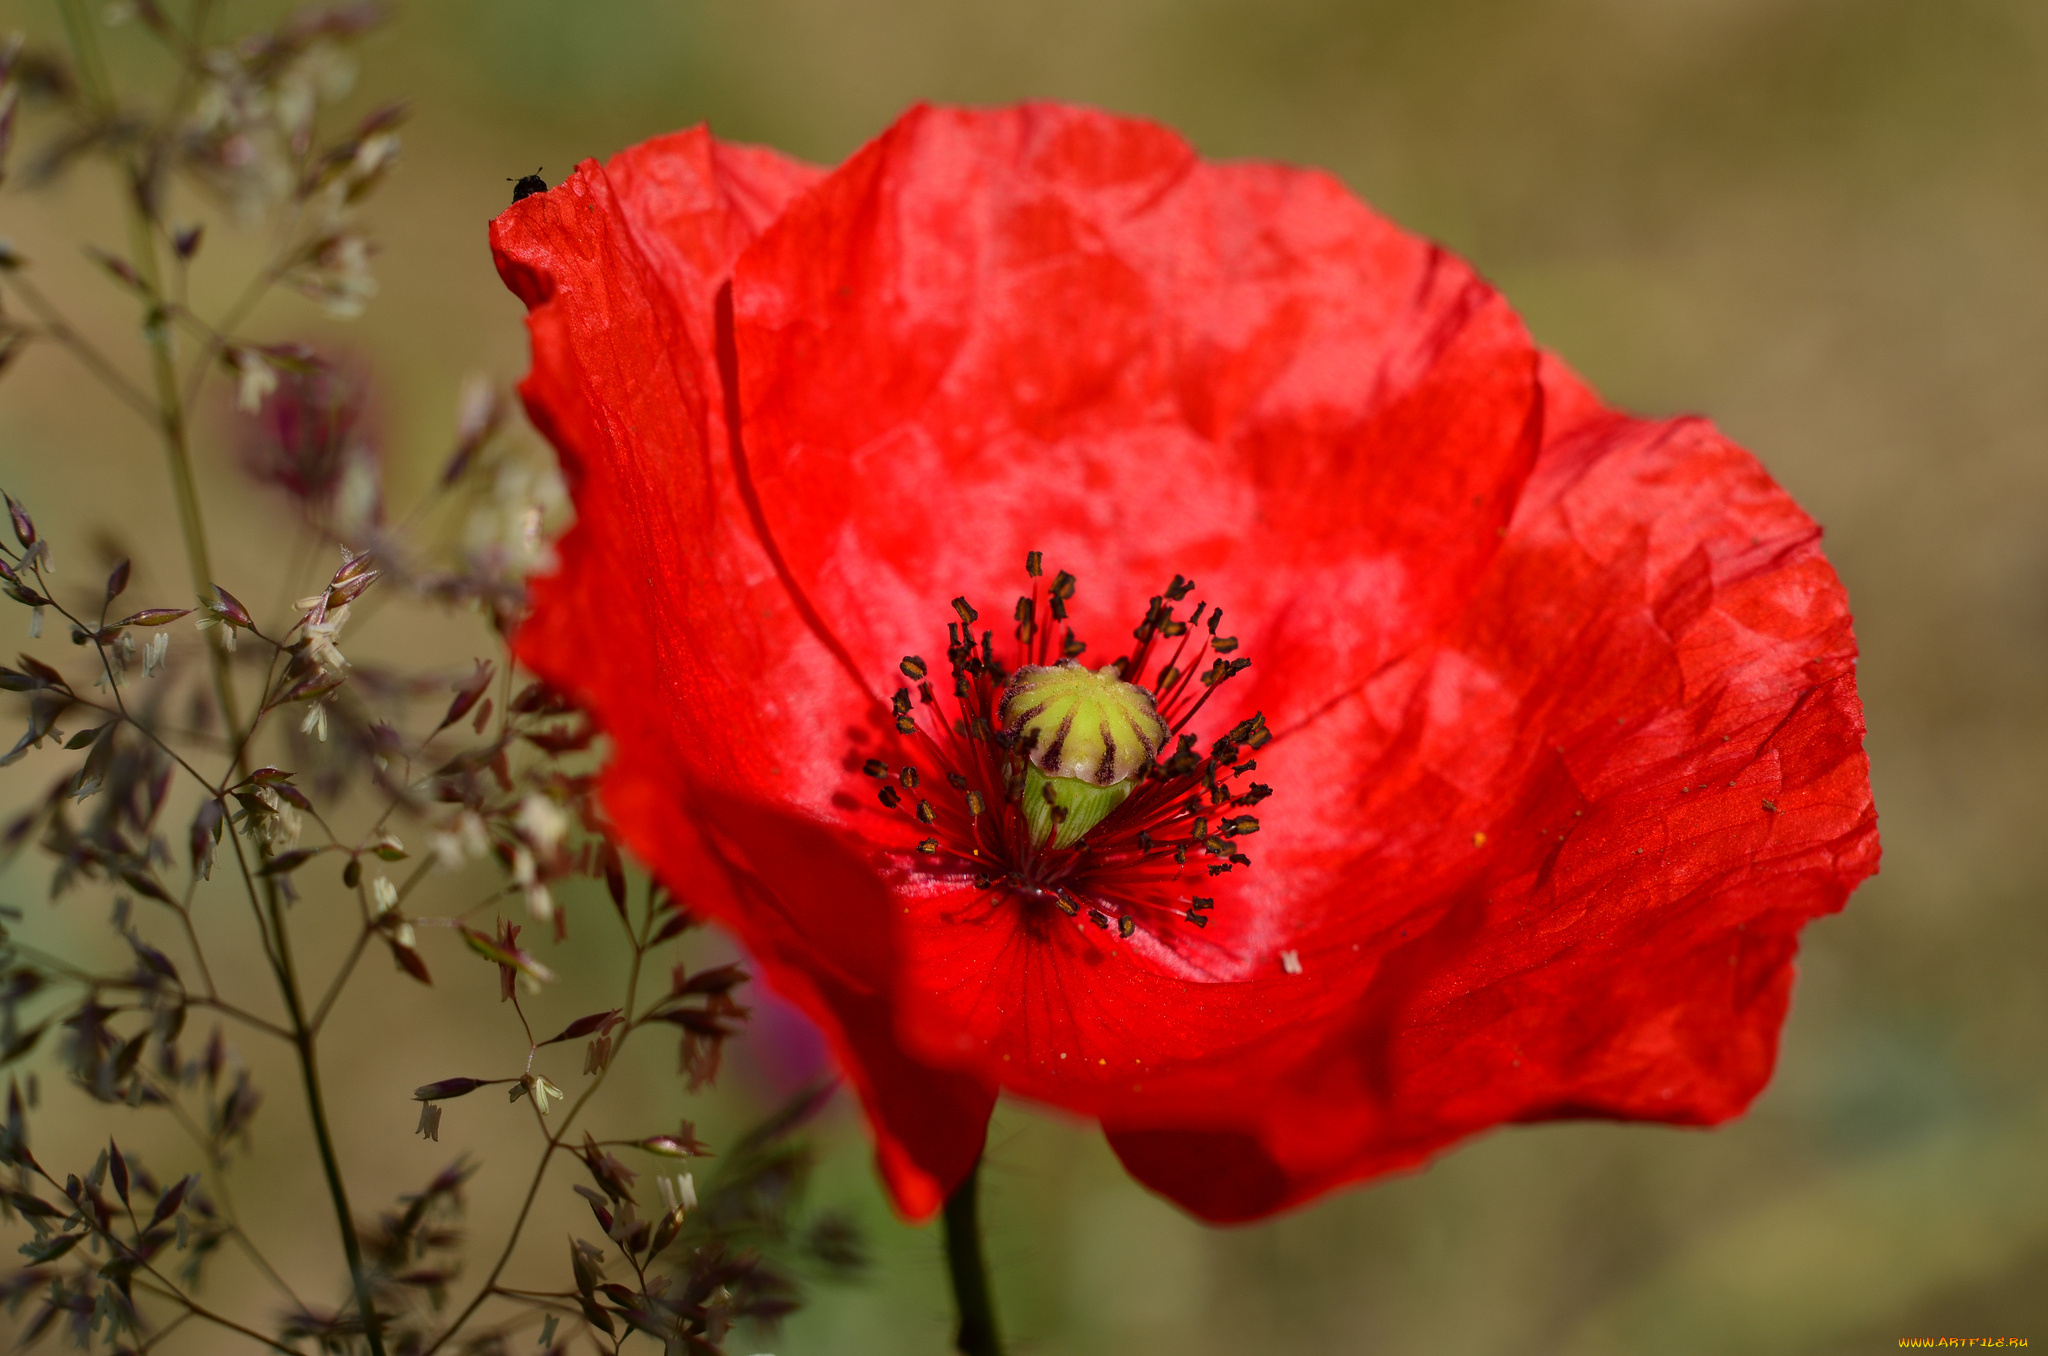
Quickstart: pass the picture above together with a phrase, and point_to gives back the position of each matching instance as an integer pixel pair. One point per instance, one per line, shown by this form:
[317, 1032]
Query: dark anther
[924, 694]
[1196, 618]
[1034, 563]
[1122, 664]
[909, 778]
[1063, 585]
[1173, 628]
[1195, 907]
[1216, 847]
[967, 614]
[1126, 926]
[1223, 644]
[1144, 841]
[1215, 617]
[928, 846]
[1168, 676]
[1259, 791]
[1197, 919]
[1223, 669]
[1098, 917]
[1242, 732]
[901, 701]
[1067, 906]
[906, 725]
[1180, 588]
[875, 767]
[1200, 829]
[1240, 859]
[1219, 870]
[887, 795]
[959, 782]
[913, 667]
[1241, 825]
[925, 813]
[975, 804]
[1072, 648]
[1046, 791]
[1180, 854]
[1057, 606]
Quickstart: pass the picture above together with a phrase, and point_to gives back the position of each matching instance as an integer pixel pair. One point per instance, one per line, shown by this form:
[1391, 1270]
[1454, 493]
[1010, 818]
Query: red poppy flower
[1553, 710]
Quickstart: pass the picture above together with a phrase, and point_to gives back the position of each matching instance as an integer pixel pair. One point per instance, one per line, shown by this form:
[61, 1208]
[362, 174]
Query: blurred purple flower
[312, 437]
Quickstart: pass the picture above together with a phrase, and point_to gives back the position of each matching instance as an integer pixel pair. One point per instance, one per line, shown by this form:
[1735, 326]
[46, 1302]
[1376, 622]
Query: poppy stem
[969, 1272]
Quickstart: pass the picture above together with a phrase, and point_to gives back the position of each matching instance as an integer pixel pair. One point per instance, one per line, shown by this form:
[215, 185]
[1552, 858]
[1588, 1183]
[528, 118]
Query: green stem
[969, 1272]
[177, 448]
[309, 1071]
[171, 411]
[156, 330]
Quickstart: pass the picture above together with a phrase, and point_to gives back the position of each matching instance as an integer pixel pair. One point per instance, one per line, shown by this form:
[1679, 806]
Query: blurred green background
[1822, 222]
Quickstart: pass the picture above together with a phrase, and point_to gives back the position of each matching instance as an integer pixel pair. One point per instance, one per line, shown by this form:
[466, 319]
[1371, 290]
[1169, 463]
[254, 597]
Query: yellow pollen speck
[1102, 1061]
[1478, 840]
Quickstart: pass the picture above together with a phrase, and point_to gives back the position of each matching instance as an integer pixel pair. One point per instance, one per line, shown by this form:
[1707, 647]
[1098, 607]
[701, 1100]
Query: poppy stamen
[1062, 789]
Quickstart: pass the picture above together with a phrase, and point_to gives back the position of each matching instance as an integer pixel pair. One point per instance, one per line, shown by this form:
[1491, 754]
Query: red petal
[1479, 604]
[1047, 329]
[1649, 709]
[659, 621]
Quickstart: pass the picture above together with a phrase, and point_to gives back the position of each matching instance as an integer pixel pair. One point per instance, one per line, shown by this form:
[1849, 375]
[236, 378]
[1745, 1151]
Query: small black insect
[528, 186]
